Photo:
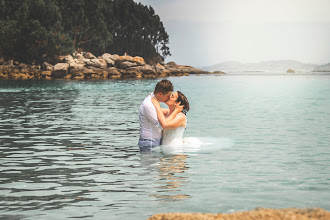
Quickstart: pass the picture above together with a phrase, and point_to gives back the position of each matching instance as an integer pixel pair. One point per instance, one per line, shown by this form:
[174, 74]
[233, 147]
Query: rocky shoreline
[255, 214]
[81, 66]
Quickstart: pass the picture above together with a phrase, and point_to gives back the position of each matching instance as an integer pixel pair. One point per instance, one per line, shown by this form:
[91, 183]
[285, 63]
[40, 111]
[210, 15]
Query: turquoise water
[68, 148]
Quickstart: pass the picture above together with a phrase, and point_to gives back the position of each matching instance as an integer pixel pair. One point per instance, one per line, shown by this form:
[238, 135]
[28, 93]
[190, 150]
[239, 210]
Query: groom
[150, 128]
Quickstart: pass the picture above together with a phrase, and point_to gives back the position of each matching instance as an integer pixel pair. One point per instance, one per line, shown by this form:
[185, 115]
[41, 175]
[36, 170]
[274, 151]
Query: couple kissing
[159, 125]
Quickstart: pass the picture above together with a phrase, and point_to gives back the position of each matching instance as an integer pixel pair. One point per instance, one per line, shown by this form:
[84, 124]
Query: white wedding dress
[173, 137]
[173, 142]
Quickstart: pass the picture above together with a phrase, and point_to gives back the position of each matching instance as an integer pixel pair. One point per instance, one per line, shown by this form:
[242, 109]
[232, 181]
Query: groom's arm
[151, 115]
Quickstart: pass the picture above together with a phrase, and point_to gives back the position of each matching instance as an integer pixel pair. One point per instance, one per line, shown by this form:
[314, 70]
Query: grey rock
[60, 70]
[108, 60]
[69, 59]
[89, 55]
[126, 64]
[47, 66]
[93, 62]
[103, 63]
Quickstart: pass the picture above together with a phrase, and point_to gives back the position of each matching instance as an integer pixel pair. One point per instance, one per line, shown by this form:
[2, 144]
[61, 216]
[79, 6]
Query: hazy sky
[204, 33]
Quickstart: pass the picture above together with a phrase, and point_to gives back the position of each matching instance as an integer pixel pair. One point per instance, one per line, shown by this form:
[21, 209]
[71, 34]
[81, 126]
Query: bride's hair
[184, 101]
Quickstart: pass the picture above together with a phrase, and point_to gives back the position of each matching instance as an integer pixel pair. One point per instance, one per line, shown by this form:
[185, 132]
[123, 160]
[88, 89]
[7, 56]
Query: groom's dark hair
[164, 86]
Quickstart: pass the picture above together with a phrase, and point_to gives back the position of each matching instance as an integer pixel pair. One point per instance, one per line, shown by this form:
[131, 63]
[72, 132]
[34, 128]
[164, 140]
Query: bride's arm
[165, 111]
[177, 110]
[173, 121]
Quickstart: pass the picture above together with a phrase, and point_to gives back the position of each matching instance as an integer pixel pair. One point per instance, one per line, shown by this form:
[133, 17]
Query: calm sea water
[68, 148]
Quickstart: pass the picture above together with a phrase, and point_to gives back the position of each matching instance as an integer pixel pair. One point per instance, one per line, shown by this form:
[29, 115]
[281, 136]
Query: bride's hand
[178, 107]
[155, 102]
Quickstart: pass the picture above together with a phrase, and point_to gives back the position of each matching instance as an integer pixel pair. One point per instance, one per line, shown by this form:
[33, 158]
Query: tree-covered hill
[42, 30]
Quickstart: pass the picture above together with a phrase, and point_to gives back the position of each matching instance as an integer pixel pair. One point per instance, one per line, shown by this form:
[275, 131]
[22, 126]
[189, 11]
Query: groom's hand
[178, 107]
[155, 102]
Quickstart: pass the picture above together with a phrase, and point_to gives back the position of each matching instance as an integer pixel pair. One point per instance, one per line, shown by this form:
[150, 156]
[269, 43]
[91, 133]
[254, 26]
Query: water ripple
[68, 149]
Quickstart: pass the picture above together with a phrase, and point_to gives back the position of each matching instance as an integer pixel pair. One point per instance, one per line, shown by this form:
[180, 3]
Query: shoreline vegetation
[37, 37]
[84, 66]
[255, 214]
[36, 34]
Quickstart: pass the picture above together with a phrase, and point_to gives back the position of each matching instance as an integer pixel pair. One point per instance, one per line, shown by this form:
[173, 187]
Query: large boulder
[128, 61]
[147, 70]
[87, 71]
[159, 67]
[96, 70]
[89, 55]
[93, 62]
[75, 68]
[108, 59]
[161, 70]
[126, 64]
[190, 69]
[60, 70]
[131, 74]
[175, 69]
[102, 62]
[113, 72]
[47, 66]
[69, 59]
[171, 64]
[79, 58]
[138, 60]
[114, 57]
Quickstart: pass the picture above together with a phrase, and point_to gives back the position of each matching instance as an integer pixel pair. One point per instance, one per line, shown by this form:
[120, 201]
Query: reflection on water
[170, 168]
[168, 173]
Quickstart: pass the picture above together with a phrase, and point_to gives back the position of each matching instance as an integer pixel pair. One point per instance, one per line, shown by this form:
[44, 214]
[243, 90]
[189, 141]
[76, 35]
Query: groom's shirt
[150, 128]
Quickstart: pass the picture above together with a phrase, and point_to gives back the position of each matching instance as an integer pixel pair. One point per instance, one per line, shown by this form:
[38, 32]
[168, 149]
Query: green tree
[86, 22]
[44, 29]
[138, 30]
[32, 31]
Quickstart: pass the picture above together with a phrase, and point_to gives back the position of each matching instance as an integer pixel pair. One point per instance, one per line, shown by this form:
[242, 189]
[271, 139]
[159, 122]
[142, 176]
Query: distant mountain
[266, 66]
[323, 68]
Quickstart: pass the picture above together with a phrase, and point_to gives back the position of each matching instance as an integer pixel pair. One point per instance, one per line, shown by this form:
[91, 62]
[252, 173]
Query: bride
[174, 119]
